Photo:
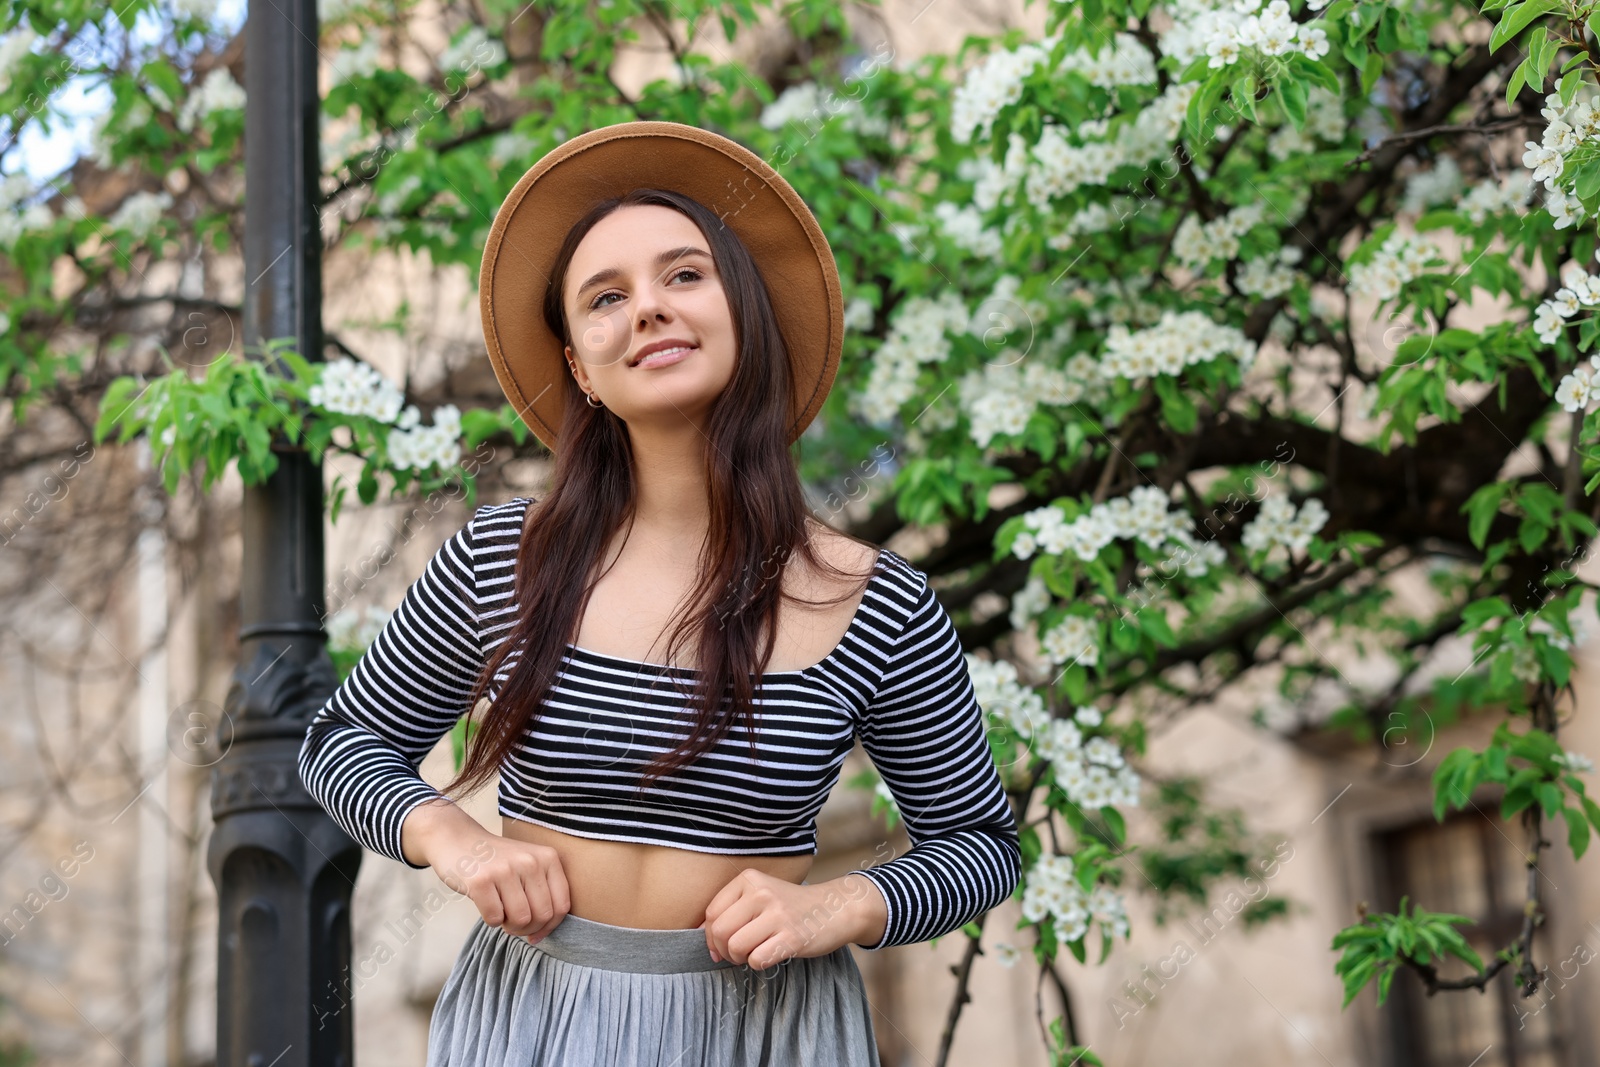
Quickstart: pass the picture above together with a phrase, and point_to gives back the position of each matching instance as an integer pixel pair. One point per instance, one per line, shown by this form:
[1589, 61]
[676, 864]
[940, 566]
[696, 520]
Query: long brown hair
[758, 524]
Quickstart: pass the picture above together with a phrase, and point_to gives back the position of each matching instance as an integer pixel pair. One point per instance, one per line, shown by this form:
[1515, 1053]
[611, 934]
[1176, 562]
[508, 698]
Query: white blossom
[1176, 341]
[1030, 601]
[987, 88]
[1072, 640]
[1580, 385]
[475, 49]
[195, 9]
[1546, 163]
[1102, 750]
[1196, 242]
[1052, 891]
[965, 228]
[15, 45]
[1576, 762]
[918, 335]
[511, 146]
[1142, 514]
[1001, 694]
[1270, 275]
[882, 792]
[140, 212]
[1510, 193]
[1059, 166]
[1313, 41]
[1436, 185]
[421, 447]
[812, 105]
[357, 62]
[1120, 61]
[858, 315]
[1226, 33]
[1576, 389]
[347, 387]
[1325, 121]
[352, 631]
[1400, 259]
[1093, 218]
[1565, 209]
[1548, 324]
[393, 199]
[1580, 634]
[1567, 127]
[1279, 523]
[218, 92]
[16, 216]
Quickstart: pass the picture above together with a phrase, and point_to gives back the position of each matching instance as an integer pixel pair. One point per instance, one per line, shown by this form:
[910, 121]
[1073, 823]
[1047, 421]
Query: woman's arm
[362, 749]
[925, 734]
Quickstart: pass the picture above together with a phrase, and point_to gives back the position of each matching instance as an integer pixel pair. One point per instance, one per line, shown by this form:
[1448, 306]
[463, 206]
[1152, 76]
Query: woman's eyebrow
[662, 260]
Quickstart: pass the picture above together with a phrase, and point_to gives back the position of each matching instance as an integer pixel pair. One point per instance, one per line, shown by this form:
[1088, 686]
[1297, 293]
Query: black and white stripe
[897, 680]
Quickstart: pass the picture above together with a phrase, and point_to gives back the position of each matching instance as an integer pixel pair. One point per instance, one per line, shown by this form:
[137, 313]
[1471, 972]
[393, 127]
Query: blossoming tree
[1192, 325]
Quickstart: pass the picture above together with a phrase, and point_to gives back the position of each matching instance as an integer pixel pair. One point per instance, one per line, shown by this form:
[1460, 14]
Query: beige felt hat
[734, 183]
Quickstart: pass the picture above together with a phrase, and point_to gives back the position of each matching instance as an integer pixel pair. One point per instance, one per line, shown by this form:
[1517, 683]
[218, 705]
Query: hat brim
[746, 193]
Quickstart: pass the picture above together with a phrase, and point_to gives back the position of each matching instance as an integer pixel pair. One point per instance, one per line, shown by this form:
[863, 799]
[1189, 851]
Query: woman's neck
[672, 502]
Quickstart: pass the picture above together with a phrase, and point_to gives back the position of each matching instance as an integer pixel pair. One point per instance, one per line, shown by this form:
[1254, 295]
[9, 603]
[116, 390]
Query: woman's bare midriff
[657, 887]
[650, 887]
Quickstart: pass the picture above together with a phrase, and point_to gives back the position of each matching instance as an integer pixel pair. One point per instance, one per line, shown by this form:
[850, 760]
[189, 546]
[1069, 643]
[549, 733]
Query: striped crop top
[897, 680]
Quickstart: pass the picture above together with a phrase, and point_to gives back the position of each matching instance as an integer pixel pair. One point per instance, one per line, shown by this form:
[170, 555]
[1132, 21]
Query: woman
[664, 312]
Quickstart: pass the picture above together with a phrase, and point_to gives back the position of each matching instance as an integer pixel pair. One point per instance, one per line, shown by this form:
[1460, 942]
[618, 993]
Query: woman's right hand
[515, 885]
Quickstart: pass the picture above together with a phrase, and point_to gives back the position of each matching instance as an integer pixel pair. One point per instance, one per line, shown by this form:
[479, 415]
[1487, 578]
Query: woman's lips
[664, 359]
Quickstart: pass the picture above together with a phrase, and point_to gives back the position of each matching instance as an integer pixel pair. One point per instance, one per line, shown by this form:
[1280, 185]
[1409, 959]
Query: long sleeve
[362, 748]
[924, 731]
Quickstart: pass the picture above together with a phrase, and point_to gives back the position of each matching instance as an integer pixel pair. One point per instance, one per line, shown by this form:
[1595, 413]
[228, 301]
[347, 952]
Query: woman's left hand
[760, 920]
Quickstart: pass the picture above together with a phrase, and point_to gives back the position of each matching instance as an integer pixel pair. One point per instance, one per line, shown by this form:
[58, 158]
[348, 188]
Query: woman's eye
[675, 274]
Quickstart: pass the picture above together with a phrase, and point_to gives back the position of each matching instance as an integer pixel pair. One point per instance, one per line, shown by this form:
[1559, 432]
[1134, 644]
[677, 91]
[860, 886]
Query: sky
[43, 155]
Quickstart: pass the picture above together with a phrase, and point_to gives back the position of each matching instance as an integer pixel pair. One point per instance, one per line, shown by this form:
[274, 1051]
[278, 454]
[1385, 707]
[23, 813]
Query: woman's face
[641, 276]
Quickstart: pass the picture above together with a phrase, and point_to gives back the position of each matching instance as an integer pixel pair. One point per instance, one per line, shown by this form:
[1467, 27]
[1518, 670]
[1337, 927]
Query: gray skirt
[595, 994]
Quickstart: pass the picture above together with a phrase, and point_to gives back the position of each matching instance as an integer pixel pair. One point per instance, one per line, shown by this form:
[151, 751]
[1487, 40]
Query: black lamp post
[284, 870]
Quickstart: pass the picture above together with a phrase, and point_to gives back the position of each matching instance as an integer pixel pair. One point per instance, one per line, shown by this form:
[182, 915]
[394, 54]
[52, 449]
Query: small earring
[592, 401]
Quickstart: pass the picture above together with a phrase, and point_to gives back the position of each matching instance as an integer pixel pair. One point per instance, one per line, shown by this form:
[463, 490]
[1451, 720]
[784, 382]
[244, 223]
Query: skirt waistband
[627, 948]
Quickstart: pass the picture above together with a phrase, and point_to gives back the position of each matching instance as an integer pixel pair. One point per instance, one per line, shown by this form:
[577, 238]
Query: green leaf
[1389, 29]
[1176, 407]
[1244, 96]
[1202, 104]
[1577, 831]
[367, 484]
[1531, 533]
[1586, 180]
[1292, 95]
[1483, 505]
[1538, 62]
[1514, 801]
[1514, 21]
[1549, 798]
[1116, 823]
[1556, 663]
[1155, 624]
[1540, 501]
[1371, 70]
[1591, 809]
